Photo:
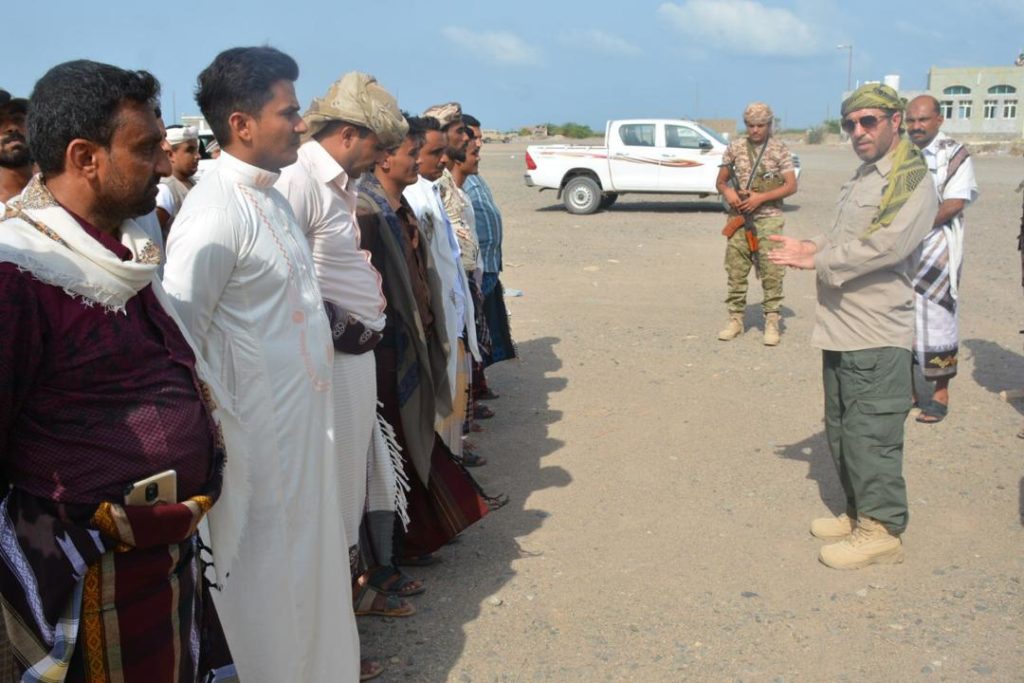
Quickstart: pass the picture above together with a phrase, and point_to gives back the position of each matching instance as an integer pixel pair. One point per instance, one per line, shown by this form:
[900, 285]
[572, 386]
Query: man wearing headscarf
[350, 129]
[183, 151]
[865, 325]
[757, 173]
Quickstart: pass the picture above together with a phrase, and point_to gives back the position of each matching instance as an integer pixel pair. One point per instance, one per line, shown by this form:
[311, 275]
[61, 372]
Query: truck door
[632, 157]
[688, 162]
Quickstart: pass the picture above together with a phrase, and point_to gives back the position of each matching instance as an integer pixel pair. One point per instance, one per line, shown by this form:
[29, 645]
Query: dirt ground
[661, 481]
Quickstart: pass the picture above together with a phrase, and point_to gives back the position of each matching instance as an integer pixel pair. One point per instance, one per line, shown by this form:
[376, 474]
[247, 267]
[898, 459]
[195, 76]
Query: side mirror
[705, 145]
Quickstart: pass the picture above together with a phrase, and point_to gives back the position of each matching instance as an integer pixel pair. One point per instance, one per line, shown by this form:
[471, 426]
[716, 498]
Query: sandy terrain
[661, 481]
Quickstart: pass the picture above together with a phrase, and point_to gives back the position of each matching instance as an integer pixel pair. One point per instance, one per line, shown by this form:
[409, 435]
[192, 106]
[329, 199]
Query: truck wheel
[582, 195]
[608, 198]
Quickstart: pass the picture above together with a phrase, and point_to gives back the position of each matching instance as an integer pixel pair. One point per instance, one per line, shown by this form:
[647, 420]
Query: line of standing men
[250, 376]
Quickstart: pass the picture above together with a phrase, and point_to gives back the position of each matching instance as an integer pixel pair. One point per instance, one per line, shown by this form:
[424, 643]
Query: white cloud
[599, 41]
[499, 47]
[742, 27]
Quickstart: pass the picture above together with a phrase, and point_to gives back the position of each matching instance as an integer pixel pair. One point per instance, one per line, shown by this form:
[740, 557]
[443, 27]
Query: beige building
[980, 102]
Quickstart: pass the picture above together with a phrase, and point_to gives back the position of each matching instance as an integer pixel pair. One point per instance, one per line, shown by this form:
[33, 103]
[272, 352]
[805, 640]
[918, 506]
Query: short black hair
[80, 99]
[430, 123]
[418, 126]
[240, 79]
[470, 120]
[331, 126]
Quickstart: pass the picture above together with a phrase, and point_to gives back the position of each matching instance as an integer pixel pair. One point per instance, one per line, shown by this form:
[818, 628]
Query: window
[963, 109]
[991, 106]
[957, 90]
[946, 109]
[1002, 90]
[682, 137]
[1009, 109]
[637, 134]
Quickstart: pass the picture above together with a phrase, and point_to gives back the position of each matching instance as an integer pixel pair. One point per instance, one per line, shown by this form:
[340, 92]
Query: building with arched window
[980, 102]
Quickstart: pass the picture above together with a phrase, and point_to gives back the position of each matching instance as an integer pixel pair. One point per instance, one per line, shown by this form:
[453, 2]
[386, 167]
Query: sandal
[369, 669]
[482, 412]
[487, 394]
[471, 459]
[932, 413]
[392, 581]
[372, 603]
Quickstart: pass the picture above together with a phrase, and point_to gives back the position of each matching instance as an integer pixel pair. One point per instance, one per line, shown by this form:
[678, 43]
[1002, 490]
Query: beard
[14, 158]
[123, 201]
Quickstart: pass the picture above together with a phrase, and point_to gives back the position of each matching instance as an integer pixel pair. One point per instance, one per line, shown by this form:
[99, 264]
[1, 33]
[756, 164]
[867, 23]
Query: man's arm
[202, 252]
[725, 189]
[756, 199]
[840, 263]
[948, 210]
[792, 252]
[21, 352]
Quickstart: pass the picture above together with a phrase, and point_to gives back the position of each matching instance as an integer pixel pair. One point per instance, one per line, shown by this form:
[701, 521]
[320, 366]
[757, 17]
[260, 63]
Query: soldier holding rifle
[757, 173]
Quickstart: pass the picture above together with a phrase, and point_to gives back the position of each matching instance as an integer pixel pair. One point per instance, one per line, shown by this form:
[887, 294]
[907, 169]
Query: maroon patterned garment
[92, 400]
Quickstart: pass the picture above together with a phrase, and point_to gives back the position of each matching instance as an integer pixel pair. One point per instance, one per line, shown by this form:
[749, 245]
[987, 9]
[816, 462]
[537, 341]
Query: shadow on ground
[426, 646]
[997, 368]
[814, 451]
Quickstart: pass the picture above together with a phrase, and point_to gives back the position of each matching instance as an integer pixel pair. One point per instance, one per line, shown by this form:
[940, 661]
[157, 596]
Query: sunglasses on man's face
[869, 122]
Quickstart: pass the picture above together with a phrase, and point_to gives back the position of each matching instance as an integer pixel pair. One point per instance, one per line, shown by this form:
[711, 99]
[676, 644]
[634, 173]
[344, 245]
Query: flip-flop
[471, 459]
[370, 669]
[394, 606]
[488, 394]
[392, 581]
[482, 412]
[932, 412]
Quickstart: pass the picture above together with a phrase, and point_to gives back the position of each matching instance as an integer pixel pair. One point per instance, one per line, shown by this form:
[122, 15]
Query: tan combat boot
[733, 328]
[870, 543]
[831, 528]
[772, 336]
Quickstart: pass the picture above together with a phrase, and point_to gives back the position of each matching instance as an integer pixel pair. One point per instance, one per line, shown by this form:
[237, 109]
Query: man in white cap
[350, 129]
[183, 150]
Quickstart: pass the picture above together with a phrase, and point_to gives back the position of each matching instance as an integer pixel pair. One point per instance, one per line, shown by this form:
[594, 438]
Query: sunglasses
[869, 122]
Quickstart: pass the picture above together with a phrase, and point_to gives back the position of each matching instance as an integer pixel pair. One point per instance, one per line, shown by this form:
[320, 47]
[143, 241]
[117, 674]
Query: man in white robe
[937, 280]
[244, 285]
[350, 129]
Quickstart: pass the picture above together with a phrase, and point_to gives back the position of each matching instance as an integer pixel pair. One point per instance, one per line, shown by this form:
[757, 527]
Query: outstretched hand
[792, 252]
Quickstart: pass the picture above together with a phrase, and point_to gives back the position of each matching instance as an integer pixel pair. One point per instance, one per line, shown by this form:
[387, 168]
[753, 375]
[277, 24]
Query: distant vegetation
[816, 136]
[570, 130]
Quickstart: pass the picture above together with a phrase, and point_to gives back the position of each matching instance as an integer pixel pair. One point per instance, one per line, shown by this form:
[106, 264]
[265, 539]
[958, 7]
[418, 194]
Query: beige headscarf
[445, 113]
[758, 113]
[359, 99]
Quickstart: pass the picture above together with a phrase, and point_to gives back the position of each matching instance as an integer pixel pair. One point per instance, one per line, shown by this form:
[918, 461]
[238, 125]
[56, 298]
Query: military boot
[831, 528]
[772, 336]
[733, 328]
[870, 543]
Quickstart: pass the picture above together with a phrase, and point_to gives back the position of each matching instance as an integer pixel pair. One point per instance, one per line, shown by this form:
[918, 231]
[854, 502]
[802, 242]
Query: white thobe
[320, 193]
[425, 200]
[241, 276]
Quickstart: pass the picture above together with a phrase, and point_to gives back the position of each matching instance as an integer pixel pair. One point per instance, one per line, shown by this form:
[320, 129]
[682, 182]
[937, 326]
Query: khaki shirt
[865, 296]
[775, 161]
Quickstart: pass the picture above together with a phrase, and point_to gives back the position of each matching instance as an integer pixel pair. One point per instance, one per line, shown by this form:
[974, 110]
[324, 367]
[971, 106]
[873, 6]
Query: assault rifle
[745, 219]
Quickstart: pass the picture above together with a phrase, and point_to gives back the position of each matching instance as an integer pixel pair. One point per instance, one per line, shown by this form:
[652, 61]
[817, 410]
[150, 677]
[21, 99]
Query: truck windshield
[713, 134]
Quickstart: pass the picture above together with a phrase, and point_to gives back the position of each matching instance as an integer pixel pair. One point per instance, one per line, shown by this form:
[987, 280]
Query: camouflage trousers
[738, 265]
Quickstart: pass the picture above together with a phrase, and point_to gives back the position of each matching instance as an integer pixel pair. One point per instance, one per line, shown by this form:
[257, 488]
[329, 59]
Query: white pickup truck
[662, 156]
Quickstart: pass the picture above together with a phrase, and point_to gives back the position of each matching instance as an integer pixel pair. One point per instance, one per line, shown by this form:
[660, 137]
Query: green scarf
[908, 170]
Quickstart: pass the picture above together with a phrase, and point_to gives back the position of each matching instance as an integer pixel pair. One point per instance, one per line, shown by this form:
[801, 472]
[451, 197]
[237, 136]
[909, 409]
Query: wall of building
[972, 104]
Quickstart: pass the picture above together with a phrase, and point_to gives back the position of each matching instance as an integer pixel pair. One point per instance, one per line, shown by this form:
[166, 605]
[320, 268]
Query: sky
[521, 63]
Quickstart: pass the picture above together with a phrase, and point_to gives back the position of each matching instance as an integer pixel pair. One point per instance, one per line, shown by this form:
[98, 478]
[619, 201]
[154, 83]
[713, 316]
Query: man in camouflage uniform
[773, 179]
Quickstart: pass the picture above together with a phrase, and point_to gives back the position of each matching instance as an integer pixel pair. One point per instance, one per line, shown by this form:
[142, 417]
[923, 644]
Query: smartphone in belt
[160, 488]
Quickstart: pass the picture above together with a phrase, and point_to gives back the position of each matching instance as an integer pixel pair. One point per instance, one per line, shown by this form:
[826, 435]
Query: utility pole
[849, 65]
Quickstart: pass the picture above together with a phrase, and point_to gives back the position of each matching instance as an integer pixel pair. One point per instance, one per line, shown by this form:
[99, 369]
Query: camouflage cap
[873, 96]
[758, 113]
[359, 99]
[445, 113]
